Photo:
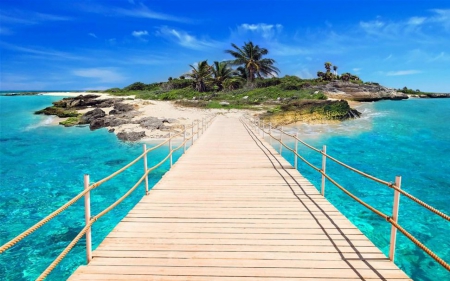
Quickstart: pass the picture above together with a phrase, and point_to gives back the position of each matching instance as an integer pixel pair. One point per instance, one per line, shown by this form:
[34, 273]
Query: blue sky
[99, 44]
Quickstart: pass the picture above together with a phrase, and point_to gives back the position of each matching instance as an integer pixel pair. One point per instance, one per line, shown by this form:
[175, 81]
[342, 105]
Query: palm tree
[328, 66]
[251, 57]
[200, 75]
[241, 72]
[335, 69]
[220, 72]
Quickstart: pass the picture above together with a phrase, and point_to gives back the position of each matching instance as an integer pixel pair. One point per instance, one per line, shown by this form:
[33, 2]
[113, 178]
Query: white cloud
[356, 69]
[185, 39]
[139, 33]
[371, 25]
[92, 35]
[267, 31]
[143, 12]
[416, 20]
[47, 54]
[103, 75]
[403, 72]
[441, 16]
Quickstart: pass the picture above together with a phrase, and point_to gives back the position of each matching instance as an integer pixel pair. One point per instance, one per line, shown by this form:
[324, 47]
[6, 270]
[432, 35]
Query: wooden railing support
[270, 133]
[87, 218]
[170, 149]
[281, 139]
[184, 139]
[145, 168]
[263, 133]
[192, 133]
[324, 166]
[296, 152]
[398, 182]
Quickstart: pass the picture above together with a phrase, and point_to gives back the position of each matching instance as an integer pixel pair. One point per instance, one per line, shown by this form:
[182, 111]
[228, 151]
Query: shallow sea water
[410, 138]
[41, 168]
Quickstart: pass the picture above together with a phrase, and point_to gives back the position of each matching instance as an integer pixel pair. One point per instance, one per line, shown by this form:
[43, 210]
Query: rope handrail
[55, 213]
[388, 184]
[376, 211]
[105, 211]
[58, 211]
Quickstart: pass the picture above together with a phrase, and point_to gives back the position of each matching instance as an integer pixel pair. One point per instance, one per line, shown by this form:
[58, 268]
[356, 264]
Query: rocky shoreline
[125, 117]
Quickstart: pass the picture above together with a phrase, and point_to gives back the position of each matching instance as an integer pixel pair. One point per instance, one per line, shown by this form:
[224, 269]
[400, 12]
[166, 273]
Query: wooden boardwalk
[233, 209]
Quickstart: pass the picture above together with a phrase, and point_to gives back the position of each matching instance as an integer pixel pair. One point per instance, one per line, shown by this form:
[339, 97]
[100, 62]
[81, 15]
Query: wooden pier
[232, 208]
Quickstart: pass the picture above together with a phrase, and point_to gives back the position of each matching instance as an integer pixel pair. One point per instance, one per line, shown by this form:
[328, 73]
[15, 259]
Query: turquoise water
[409, 138]
[41, 168]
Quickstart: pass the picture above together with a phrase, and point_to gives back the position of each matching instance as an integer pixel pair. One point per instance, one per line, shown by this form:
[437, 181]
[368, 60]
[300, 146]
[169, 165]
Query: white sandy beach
[185, 116]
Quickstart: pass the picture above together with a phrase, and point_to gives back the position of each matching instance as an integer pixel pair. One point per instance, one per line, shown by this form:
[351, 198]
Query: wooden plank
[232, 209]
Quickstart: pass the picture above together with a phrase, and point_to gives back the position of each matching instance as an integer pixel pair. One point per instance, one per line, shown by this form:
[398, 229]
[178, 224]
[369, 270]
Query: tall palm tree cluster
[329, 76]
[250, 65]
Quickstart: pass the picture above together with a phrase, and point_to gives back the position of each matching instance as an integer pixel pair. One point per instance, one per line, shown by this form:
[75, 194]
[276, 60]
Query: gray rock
[89, 116]
[359, 92]
[111, 130]
[170, 120]
[244, 98]
[121, 108]
[97, 124]
[224, 103]
[131, 136]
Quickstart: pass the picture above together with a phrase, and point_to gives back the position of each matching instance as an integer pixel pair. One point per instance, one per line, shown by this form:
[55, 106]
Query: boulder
[359, 92]
[121, 108]
[131, 136]
[224, 103]
[89, 116]
[170, 120]
[97, 124]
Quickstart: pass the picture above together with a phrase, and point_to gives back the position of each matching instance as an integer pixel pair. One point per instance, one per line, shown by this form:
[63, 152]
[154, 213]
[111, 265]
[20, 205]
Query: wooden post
[145, 169]
[192, 134]
[170, 149]
[324, 162]
[259, 125]
[184, 139]
[398, 182]
[263, 129]
[87, 218]
[270, 133]
[281, 139]
[296, 151]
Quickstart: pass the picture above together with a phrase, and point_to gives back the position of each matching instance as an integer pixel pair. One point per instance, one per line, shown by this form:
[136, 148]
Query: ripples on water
[41, 168]
[409, 138]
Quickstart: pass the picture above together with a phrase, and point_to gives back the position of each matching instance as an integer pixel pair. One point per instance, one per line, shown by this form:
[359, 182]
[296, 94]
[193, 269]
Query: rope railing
[396, 186]
[88, 188]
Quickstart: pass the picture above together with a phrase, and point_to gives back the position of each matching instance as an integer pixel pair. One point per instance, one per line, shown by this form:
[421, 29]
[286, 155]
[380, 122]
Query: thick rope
[420, 202]
[390, 219]
[52, 266]
[48, 218]
[389, 184]
[419, 244]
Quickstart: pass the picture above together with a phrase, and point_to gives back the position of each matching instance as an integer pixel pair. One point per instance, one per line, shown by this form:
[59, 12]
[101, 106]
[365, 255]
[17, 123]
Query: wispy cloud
[185, 39]
[416, 20]
[27, 17]
[44, 53]
[265, 30]
[403, 72]
[102, 74]
[143, 12]
[139, 33]
[92, 35]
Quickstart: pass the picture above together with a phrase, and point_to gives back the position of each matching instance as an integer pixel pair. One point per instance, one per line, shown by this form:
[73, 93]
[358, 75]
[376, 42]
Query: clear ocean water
[42, 166]
[409, 138]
